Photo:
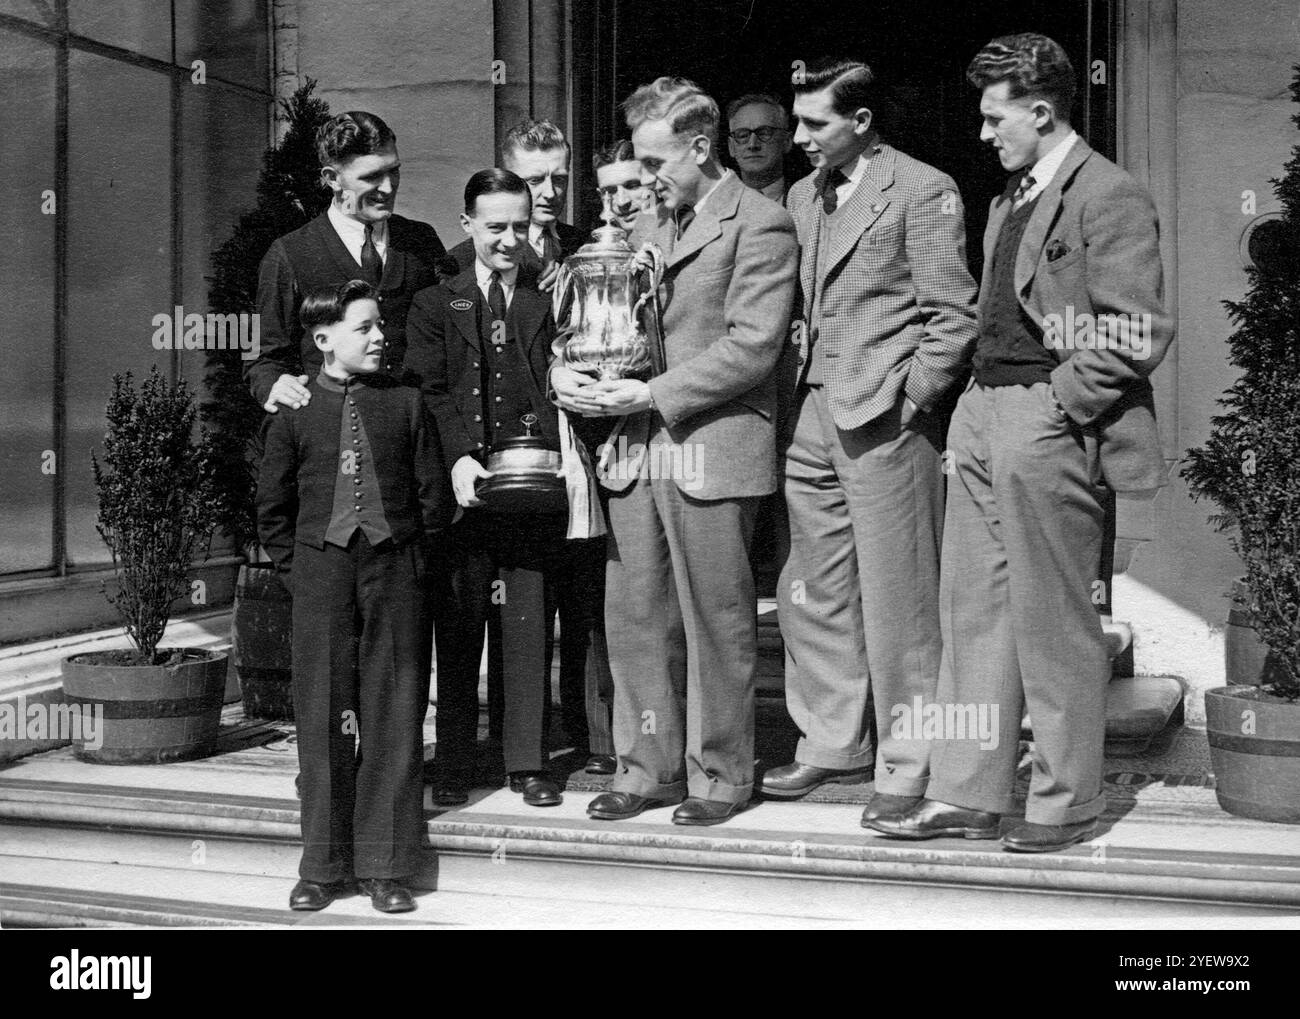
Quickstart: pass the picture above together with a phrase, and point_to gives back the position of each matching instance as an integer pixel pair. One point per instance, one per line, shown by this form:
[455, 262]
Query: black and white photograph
[651, 465]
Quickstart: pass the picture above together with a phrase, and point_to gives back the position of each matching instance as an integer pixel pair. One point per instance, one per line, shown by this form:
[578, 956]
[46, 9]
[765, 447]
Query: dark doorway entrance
[919, 50]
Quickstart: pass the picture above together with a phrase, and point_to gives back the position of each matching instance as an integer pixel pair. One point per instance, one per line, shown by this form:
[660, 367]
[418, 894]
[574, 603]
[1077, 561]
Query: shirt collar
[1045, 169]
[353, 232]
[773, 189]
[708, 194]
[535, 231]
[483, 274]
[333, 385]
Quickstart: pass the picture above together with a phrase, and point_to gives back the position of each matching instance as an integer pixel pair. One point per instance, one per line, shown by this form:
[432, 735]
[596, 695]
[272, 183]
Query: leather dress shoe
[888, 803]
[697, 811]
[621, 806]
[793, 780]
[309, 896]
[601, 764]
[539, 790]
[387, 895]
[1028, 837]
[931, 819]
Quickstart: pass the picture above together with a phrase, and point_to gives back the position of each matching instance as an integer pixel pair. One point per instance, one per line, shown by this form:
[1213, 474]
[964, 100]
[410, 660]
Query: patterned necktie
[496, 298]
[830, 196]
[1026, 185]
[685, 217]
[371, 264]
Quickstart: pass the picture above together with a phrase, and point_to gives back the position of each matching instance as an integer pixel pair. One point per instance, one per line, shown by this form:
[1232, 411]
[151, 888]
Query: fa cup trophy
[604, 304]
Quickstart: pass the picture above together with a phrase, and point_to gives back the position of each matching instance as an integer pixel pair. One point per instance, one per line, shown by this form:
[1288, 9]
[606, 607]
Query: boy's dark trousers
[359, 620]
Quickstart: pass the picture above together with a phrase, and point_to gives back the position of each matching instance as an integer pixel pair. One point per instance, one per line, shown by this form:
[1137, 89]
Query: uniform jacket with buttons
[897, 301]
[445, 352]
[301, 460]
[313, 257]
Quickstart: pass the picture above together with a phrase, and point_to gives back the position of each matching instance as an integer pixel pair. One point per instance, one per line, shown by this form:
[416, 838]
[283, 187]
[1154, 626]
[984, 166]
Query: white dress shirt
[484, 276]
[353, 233]
[1045, 169]
[844, 190]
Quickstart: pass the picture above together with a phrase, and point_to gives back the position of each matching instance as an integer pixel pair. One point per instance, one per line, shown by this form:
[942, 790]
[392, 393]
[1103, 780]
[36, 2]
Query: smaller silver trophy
[599, 298]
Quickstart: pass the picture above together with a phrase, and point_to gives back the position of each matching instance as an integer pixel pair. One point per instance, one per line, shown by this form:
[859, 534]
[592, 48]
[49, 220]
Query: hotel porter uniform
[352, 493]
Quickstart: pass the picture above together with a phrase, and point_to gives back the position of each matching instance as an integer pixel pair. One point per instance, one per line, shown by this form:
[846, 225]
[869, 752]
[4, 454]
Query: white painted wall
[1233, 132]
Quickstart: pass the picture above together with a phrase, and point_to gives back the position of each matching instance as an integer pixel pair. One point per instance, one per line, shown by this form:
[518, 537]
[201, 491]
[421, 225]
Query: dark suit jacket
[727, 291]
[1092, 246]
[313, 256]
[444, 351]
[295, 489]
[571, 239]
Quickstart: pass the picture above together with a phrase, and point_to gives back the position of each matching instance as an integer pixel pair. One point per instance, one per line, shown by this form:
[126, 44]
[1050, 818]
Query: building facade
[133, 130]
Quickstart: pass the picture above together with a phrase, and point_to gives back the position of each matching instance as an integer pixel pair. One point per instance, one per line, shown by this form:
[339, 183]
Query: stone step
[115, 854]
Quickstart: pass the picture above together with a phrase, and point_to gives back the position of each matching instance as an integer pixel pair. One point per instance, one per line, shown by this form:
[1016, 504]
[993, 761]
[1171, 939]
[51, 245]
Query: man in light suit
[888, 323]
[1072, 322]
[695, 456]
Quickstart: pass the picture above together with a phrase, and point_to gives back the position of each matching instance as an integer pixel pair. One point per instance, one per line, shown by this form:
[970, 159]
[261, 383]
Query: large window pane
[27, 222]
[40, 11]
[119, 256]
[141, 26]
[230, 38]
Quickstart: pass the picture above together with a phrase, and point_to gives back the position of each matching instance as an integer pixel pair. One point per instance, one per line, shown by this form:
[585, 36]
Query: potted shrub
[1250, 467]
[289, 193]
[157, 511]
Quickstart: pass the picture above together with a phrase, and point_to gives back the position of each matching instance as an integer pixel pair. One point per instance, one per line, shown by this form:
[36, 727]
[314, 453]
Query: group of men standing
[811, 335]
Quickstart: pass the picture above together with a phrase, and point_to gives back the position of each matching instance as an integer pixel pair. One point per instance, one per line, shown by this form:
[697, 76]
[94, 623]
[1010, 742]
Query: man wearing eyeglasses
[618, 177]
[759, 139]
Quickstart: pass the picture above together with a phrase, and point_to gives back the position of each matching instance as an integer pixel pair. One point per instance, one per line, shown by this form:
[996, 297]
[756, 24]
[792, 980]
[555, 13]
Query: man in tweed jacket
[888, 323]
[695, 456]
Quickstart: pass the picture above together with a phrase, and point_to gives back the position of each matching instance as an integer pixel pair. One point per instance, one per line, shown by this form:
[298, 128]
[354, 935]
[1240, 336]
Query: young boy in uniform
[351, 494]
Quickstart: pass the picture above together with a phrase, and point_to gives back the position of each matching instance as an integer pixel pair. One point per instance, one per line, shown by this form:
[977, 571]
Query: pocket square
[1058, 249]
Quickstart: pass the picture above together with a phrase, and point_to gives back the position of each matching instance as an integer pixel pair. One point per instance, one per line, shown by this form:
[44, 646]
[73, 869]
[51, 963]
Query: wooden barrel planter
[1245, 655]
[263, 642]
[147, 714]
[1255, 752]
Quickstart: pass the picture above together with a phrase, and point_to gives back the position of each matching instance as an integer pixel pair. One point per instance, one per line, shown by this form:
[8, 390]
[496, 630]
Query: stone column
[1147, 143]
[284, 60]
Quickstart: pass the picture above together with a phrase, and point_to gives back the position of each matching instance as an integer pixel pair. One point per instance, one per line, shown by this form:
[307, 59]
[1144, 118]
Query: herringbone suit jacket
[897, 302]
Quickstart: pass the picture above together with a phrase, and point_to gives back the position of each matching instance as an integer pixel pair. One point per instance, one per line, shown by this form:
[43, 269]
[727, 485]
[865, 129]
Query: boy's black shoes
[309, 896]
[387, 894]
[538, 789]
[601, 764]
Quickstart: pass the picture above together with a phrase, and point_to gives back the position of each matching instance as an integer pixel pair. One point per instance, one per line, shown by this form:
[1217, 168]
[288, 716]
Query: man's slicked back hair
[850, 83]
[1034, 65]
[534, 136]
[687, 108]
[494, 181]
[347, 135]
[619, 151]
